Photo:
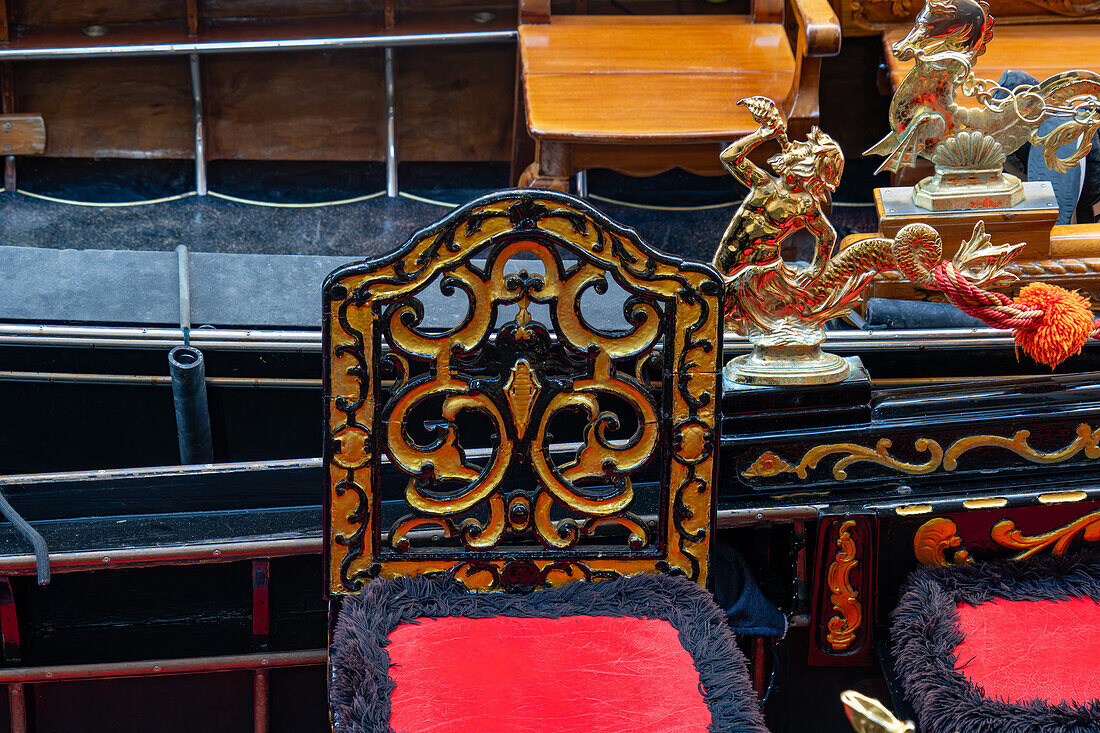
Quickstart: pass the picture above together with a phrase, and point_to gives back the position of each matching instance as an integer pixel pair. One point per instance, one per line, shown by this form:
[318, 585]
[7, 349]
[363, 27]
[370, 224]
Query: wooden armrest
[534, 11]
[818, 26]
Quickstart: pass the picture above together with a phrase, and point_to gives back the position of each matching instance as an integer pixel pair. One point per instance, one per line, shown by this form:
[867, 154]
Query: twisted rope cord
[995, 309]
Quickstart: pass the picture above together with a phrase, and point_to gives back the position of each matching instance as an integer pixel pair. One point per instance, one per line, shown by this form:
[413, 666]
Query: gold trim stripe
[771, 464]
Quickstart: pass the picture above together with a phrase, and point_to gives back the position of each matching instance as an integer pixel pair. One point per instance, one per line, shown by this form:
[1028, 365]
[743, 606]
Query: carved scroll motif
[770, 464]
[1006, 534]
[934, 540]
[519, 379]
[844, 625]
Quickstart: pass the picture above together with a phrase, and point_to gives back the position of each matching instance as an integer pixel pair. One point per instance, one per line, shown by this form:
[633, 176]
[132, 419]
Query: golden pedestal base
[787, 365]
[964, 190]
[1028, 221]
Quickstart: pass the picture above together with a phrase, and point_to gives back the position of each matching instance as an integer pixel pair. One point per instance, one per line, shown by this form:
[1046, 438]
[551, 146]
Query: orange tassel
[1063, 328]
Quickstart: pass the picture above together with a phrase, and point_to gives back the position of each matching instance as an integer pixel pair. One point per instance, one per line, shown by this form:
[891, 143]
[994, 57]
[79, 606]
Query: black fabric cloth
[1084, 183]
[735, 589]
[360, 686]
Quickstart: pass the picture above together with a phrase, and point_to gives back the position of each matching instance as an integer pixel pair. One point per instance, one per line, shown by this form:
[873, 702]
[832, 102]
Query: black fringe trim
[360, 685]
[926, 632]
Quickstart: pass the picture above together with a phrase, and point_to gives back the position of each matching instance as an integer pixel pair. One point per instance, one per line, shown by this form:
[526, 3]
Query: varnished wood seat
[643, 94]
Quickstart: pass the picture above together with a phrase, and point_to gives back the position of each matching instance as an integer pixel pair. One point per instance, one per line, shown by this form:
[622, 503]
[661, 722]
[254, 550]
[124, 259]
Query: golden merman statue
[968, 145]
[783, 308]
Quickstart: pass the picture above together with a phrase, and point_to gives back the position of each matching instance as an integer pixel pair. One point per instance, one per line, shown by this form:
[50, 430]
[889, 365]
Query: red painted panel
[576, 674]
[1021, 650]
[261, 611]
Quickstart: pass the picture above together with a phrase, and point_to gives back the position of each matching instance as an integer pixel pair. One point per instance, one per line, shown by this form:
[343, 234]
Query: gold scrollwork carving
[522, 390]
[845, 623]
[894, 10]
[1006, 534]
[770, 464]
[516, 378]
[883, 14]
[934, 540]
[1087, 440]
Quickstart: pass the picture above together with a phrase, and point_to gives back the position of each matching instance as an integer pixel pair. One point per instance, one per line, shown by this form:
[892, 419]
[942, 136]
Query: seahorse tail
[917, 249]
[870, 254]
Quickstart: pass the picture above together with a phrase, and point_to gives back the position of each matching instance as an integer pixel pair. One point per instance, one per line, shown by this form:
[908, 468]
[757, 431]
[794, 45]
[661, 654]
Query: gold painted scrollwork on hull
[1006, 534]
[1087, 440]
[770, 464]
[933, 541]
[845, 623]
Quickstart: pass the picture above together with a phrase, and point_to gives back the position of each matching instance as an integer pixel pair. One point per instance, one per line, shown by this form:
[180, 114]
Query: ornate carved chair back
[523, 395]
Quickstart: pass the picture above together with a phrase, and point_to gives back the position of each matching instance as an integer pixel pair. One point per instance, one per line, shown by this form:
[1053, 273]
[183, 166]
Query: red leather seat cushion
[1018, 651]
[577, 674]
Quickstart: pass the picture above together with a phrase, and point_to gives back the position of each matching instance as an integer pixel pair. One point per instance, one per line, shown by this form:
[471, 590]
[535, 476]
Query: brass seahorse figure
[945, 41]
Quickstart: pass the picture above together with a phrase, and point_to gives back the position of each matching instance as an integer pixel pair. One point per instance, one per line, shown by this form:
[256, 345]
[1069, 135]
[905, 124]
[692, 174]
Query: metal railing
[194, 48]
[309, 341]
[260, 665]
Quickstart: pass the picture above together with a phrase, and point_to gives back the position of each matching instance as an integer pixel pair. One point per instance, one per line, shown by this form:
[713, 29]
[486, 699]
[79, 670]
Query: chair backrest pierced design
[529, 440]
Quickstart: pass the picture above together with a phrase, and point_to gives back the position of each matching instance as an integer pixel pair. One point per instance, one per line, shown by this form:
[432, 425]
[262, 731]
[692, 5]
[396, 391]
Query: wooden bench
[643, 94]
[1041, 37]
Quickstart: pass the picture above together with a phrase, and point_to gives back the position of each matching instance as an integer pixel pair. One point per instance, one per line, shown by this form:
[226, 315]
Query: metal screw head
[7, 127]
[7, 148]
[483, 16]
[94, 31]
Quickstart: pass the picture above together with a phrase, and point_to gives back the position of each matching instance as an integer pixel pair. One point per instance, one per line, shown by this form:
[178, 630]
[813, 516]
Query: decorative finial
[868, 715]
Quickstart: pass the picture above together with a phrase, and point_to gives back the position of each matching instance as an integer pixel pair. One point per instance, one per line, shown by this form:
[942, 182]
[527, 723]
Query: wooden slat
[7, 106]
[674, 107]
[683, 44]
[1040, 50]
[283, 9]
[221, 31]
[22, 135]
[193, 17]
[455, 103]
[82, 12]
[112, 108]
[1077, 240]
[302, 106]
